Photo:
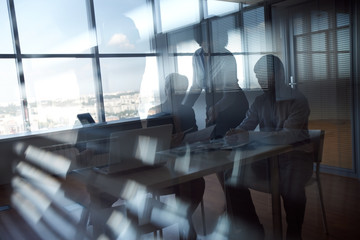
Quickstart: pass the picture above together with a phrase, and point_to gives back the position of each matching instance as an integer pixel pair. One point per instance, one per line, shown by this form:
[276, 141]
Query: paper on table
[201, 135]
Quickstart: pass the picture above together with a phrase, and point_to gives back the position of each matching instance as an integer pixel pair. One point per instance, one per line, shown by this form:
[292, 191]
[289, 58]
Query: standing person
[287, 119]
[215, 71]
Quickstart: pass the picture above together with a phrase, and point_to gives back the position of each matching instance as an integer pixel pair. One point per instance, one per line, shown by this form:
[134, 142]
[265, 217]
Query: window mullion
[19, 65]
[96, 64]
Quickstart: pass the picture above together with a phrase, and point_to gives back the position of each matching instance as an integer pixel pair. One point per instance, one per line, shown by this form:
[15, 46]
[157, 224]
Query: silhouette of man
[287, 120]
[215, 71]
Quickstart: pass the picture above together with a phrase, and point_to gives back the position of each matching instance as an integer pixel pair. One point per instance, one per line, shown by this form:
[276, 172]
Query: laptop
[85, 118]
[137, 148]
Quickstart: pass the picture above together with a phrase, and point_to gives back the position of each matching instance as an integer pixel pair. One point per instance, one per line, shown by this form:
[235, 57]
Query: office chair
[251, 181]
[317, 137]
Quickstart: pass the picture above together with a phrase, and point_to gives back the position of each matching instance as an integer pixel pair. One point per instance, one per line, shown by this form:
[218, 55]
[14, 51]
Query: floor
[342, 196]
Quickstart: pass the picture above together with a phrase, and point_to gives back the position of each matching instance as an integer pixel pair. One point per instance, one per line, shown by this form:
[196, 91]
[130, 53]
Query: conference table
[189, 162]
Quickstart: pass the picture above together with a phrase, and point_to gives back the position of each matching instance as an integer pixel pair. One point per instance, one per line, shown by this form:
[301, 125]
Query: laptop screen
[139, 144]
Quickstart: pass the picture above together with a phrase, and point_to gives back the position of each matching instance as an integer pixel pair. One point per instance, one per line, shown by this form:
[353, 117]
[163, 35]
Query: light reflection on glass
[221, 230]
[59, 165]
[40, 197]
[182, 163]
[121, 226]
[57, 22]
[38, 178]
[237, 167]
[146, 149]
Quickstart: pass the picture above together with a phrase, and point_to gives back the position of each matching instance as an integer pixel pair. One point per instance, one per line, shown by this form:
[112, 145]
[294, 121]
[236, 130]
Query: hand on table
[236, 136]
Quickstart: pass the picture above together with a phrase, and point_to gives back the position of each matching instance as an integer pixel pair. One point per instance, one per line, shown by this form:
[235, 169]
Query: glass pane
[6, 39]
[11, 120]
[323, 75]
[216, 7]
[241, 71]
[185, 67]
[299, 24]
[182, 41]
[342, 19]
[254, 30]
[343, 39]
[302, 62]
[124, 26]
[187, 47]
[175, 14]
[252, 59]
[150, 87]
[319, 66]
[223, 31]
[318, 42]
[235, 43]
[127, 82]
[58, 26]
[58, 90]
[302, 43]
[319, 21]
[343, 65]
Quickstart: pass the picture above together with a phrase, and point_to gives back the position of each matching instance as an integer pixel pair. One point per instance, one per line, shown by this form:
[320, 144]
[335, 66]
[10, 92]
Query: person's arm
[251, 119]
[248, 124]
[295, 126]
[198, 75]
[229, 83]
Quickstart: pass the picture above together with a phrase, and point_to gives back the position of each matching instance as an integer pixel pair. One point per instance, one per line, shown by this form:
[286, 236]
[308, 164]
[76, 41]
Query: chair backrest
[252, 180]
[40, 194]
[317, 138]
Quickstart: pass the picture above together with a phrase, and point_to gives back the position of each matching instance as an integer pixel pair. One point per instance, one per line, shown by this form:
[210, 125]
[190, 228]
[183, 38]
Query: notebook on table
[200, 135]
[137, 148]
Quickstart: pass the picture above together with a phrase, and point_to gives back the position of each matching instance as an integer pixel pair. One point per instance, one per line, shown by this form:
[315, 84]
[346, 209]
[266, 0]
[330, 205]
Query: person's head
[217, 37]
[176, 84]
[269, 71]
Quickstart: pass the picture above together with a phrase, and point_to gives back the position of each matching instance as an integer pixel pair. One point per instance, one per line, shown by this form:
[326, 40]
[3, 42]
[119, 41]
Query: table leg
[275, 195]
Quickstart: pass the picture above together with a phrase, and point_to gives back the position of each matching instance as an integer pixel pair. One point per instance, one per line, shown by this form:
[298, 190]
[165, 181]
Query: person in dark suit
[190, 192]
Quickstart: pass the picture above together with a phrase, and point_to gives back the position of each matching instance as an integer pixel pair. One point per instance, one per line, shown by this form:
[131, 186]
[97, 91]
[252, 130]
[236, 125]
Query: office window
[175, 14]
[11, 120]
[322, 41]
[58, 26]
[57, 90]
[254, 41]
[124, 81]
[5, 40]
[124, 26]
[181, 45]
[218, 8]
[245, 42]
[185, 67]
[254, 30]
[319, 21]
[228, 26]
